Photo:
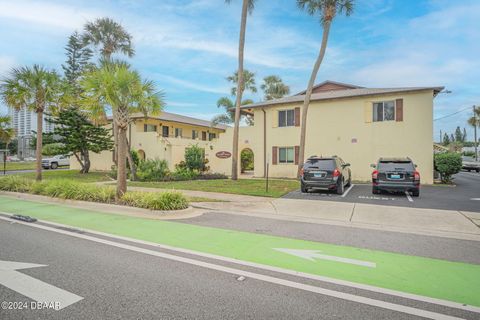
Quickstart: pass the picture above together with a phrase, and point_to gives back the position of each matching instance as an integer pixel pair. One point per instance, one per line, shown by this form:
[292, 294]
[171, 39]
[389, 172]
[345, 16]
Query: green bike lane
[441, 279]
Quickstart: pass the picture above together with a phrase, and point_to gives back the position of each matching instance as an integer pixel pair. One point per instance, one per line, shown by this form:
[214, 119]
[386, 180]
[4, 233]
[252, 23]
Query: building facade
[357, 124]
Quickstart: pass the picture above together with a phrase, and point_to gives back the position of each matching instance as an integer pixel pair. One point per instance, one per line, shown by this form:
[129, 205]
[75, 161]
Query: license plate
[395, 176]
[318, 174]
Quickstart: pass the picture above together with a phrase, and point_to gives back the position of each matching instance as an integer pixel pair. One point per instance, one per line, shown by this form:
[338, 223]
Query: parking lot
[464, 196]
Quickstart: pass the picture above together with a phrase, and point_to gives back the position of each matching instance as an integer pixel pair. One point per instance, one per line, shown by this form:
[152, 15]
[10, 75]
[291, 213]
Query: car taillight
[375, 174]
[336, 173]
[417, 176]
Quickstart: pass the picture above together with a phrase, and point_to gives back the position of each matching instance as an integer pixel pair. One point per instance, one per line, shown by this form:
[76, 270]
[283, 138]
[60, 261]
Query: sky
[189, 47]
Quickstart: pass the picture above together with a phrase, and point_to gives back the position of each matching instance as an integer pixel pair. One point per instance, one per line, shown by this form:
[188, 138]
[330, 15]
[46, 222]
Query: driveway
[465, 196]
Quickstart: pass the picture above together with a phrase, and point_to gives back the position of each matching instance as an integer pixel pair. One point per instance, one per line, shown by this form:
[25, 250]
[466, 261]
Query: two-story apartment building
[358, 124]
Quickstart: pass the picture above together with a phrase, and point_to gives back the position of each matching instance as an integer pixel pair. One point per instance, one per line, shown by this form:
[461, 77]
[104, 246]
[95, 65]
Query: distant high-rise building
[24, 121]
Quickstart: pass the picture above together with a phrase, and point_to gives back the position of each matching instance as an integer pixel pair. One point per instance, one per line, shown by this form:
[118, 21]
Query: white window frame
[286, 155]
[151, 126]
[383, 110]
[178, 132]
[286, 118]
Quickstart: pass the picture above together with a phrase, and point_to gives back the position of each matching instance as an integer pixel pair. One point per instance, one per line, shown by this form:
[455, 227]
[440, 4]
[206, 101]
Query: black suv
[325, 173]
[395, 174]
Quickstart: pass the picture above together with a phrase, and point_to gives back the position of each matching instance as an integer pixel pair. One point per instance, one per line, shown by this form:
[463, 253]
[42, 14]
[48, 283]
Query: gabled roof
[173, 117]
[330, 85]
[341, 94]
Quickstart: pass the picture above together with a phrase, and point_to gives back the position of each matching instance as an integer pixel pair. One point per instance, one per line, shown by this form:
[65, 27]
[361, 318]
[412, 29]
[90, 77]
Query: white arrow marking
[34, 289]
[315, 254]
[475, 199]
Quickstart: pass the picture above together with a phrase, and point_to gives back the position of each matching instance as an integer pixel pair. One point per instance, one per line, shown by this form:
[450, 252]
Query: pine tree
[464, 137]
[78, 136]
[78, 58]
[446, 139]
[458, 135]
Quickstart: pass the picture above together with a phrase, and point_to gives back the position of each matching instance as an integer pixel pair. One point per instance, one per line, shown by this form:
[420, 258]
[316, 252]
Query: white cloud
[6, 63]
[191, 85]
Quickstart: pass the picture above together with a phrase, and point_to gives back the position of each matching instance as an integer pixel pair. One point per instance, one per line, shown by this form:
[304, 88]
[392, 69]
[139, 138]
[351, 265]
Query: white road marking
[33, 288]
[475, 199]
[315, 254]
[347, 191]
[408, 196]
[390, 292]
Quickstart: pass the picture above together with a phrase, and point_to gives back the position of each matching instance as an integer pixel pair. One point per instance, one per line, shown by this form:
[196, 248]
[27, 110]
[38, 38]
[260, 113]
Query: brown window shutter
[399, 110]
[274, 155]
[297, 117]
[297, 153]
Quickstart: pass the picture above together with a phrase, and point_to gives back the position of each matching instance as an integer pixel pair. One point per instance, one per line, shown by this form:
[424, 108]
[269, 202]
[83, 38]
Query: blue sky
[188, 47]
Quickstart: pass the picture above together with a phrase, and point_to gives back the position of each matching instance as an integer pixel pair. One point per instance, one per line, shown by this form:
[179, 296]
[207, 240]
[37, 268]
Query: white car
[56, 161]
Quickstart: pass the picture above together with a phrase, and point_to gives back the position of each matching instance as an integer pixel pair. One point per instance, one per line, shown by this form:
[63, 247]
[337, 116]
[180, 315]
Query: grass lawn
[69, 174]
[18, 166]
[202, 199]
[250, 187]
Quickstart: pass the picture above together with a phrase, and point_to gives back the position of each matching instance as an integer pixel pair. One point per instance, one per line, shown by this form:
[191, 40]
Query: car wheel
[340, 187]
[478, 170]
[54, 165]
[303, 188]
[416, 193]
[349, 182]
[375, 190]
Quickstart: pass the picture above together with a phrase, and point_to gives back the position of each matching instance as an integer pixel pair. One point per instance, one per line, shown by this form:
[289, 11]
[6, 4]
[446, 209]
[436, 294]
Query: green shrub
[212, 176]
[169, 200]
[182, 174]
[15, 184]
[448, 164]
[195, 158]
[152, 170]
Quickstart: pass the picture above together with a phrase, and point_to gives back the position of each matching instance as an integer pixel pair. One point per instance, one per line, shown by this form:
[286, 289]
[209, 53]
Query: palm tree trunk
[121, 162]
[131, 163]
[308, 95]
[238, 102]
[38, 150]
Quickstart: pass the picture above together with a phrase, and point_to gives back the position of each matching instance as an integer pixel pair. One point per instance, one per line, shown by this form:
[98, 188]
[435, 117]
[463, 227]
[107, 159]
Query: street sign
[37, 290]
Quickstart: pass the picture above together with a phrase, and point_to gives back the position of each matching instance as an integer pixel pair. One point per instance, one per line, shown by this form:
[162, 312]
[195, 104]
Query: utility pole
[475, 132]
[441, 138]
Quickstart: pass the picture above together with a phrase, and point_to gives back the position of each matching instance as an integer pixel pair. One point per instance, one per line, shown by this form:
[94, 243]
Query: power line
[451, 114]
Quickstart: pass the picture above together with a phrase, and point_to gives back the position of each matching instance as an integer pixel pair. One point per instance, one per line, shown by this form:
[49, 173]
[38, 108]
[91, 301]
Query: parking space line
[347, 191]
[408, 196]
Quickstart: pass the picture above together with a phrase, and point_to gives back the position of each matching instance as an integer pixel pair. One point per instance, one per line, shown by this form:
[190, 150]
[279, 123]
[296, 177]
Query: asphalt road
[464, 196]
[8, 172]
[117, 283]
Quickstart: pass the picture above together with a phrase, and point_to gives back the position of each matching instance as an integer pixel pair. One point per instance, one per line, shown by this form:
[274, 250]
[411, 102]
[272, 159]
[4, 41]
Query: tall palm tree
[274, 88]
[474, 121]
[33, 88]
[326, 10]
[120, 89]
[248, 82]
[229, 116]
[247, 7]
[109, 36]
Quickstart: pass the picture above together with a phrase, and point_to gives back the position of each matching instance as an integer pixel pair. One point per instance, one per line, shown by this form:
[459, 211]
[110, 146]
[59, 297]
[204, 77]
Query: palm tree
[6, 133]
[116, 87]
[248, 82]
[110, 36]
[33, 88]
[327, 11]
[474, 121]
[247, 7]
[274, 88]
[229, 116]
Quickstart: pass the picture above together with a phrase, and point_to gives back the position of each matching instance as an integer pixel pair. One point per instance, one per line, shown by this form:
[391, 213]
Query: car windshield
[392, 165]
[324, 164]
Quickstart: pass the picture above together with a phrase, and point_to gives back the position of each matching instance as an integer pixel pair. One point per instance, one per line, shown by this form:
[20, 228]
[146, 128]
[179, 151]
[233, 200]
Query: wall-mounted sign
[223, 154]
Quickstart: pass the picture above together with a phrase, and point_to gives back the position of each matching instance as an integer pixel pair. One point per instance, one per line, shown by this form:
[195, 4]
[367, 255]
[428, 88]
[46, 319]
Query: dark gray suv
[395, 174]
[330, 173]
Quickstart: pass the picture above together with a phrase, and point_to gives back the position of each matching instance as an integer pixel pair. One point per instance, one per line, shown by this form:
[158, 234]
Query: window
[178, 132]
[149, 128]
[384, 111]
[286, 155]
[204, 135]
[165, 131]
[212, 136]
[194, 134]
[286, 118]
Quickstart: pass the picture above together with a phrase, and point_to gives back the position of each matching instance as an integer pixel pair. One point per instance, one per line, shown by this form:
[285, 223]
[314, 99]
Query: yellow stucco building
[355, 123]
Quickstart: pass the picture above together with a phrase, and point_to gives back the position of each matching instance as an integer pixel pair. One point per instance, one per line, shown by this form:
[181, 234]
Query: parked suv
[55, 162]
[325, 173]
[395, 174]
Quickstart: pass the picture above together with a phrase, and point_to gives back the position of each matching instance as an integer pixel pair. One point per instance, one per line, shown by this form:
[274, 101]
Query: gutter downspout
[264, 143]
